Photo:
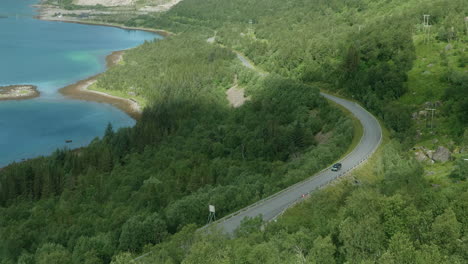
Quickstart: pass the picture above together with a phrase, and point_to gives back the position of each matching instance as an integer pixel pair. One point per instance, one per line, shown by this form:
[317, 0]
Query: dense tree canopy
[346, 223]
[151, 184]
[136, 186]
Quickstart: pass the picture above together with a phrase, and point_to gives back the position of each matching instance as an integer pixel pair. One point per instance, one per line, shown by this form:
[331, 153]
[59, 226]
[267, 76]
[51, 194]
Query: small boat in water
[68, 141]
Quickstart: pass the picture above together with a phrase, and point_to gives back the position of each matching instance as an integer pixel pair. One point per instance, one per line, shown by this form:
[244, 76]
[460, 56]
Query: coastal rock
[442, 154]
[18, 92]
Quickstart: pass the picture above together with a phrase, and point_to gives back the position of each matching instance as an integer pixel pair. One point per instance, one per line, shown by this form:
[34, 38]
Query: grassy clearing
[427, 83]
[438, 173]
[426, 78]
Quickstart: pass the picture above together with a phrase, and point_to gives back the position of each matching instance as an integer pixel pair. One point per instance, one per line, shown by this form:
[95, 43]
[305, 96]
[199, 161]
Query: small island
[18, 92]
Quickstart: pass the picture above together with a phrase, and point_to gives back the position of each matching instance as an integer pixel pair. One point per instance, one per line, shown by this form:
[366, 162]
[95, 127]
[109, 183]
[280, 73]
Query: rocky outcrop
[18, 92]
[442, 154]
[421, 156]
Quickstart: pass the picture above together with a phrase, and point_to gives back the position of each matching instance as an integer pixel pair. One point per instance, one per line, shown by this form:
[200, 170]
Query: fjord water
[52, 55]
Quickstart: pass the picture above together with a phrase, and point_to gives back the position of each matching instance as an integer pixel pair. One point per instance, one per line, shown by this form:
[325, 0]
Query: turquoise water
[52, 55]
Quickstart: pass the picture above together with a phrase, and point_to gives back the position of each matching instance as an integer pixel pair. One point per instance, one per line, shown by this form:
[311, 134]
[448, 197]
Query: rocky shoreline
[85, 16]
[80, 91]
[18, 92]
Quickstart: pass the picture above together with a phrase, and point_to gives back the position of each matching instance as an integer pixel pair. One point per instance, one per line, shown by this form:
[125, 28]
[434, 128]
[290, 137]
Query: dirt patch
[236, 95]
[18, 92]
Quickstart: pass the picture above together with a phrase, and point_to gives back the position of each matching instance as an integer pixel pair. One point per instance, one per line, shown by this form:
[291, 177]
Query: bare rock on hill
[421, 156]
[442, 154]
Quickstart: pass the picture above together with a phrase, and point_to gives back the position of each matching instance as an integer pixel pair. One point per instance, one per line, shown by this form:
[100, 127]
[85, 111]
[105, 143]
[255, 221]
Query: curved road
[274, 205]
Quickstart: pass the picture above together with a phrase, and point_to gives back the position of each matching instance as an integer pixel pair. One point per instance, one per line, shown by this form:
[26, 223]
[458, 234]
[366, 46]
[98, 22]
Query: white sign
[211, 208]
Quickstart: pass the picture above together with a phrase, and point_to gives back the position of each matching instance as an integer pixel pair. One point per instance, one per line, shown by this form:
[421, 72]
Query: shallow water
[51, 55]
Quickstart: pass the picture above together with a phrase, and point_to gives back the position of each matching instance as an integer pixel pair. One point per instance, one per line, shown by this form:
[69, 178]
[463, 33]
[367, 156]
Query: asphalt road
[274, 205]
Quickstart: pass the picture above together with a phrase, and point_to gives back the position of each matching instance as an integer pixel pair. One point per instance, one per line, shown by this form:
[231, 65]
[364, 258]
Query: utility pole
[250, 30]
[211, 216]
[432, 118]
[427, 28]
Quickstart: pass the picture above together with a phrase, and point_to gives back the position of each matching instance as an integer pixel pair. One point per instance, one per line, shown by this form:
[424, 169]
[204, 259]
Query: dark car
[336, 167]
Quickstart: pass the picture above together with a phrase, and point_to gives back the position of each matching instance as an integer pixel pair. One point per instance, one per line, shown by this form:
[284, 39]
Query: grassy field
[427, 83]
[426, 80]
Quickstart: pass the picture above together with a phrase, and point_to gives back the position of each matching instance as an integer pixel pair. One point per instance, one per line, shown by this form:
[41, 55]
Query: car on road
[336, 167]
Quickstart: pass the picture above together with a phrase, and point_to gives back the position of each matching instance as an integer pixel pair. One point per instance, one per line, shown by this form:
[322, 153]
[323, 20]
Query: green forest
[137, 186]
[362, 49]
[146, 188]
[399, 218]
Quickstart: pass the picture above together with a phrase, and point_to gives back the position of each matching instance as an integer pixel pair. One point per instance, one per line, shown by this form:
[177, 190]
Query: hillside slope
[140, 185]
[146, 185]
